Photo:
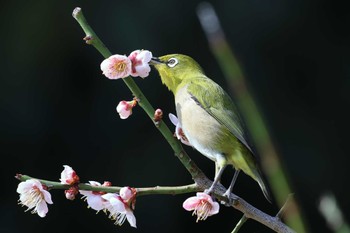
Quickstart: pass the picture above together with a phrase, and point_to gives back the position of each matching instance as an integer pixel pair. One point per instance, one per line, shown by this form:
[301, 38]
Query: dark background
[57, 108]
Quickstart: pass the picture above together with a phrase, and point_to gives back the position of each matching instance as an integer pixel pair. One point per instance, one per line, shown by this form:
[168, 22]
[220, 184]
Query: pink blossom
[202, 205]
[93, 198]
[119, 210]
[178, 130]
[69, 176]
[128, 195]
[116, 66]
[34, 196]
[140, 60]
[71, 192]
[124, 108]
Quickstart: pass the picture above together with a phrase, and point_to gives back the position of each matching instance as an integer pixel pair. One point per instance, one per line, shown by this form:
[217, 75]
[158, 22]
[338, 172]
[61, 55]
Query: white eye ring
[172, 62]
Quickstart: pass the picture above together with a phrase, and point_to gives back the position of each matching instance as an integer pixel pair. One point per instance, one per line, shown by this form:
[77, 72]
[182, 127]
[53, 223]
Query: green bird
[209, 119]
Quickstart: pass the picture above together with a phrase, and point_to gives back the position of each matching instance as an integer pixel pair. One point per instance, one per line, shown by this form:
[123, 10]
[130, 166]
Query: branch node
[157, 117]
[18, 176]
[88, 39]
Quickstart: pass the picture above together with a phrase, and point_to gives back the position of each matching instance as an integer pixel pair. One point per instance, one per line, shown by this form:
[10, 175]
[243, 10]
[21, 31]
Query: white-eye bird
[209, 119]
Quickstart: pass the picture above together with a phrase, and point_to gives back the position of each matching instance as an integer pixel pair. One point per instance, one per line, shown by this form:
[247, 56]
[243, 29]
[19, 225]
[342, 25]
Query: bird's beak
[155, 61]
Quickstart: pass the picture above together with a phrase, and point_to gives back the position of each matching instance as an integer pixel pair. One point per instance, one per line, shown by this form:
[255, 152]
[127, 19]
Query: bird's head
[176, 68]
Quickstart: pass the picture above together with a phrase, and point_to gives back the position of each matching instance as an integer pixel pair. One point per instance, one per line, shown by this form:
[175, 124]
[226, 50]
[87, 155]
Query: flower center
[120, 66]
[31, 199]
[202, 210]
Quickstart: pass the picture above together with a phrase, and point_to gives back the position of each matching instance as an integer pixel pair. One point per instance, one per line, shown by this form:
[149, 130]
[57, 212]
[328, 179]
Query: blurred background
[57, 109]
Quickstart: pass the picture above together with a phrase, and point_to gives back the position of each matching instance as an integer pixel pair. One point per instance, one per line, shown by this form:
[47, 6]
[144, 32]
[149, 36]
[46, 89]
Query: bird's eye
[172, 62]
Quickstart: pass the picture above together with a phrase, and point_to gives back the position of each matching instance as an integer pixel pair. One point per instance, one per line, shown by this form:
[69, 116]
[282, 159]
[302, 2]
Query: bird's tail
[263, 185]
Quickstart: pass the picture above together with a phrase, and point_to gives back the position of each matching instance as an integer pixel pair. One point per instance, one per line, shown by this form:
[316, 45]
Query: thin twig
[284, 207]
[171, 190]
[240, 224]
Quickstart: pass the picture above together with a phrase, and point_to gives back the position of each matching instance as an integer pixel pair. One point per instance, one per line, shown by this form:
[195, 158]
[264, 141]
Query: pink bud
[71, 192]
[124, 108]
[126, 193]
[107, 183]
[158, 115]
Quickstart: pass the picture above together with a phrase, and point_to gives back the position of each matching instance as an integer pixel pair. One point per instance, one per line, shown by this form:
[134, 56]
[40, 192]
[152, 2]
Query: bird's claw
[208, 191]
[230, 201]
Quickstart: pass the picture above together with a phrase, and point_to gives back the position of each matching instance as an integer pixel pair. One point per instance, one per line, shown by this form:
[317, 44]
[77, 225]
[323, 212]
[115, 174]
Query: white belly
[201, 129]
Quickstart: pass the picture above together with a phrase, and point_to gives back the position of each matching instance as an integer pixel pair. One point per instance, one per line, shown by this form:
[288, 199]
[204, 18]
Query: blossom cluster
[119, 206]
[35, 196]
[121, 66]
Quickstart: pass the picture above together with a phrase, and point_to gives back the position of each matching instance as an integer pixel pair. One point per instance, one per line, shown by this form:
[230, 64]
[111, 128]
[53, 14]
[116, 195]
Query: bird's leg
[229, 190]
[219, 171]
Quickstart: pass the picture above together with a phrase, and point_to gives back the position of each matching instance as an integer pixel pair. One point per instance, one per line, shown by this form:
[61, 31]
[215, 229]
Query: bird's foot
[230, 201]
[208, 191]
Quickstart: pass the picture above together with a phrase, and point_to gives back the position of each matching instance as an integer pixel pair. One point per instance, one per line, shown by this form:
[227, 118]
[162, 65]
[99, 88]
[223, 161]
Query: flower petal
[173, 119]
[131, 218]
[95, 202]
[215, 208]
[118, 205]
[190, 203]
[47, 196]
[41, 208]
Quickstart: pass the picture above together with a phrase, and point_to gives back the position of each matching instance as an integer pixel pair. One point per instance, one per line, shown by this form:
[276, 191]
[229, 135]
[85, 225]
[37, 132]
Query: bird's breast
[202, 130]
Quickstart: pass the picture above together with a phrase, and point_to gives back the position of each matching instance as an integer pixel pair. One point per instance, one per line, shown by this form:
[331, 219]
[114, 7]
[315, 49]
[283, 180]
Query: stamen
[202, 210]
[120, 66]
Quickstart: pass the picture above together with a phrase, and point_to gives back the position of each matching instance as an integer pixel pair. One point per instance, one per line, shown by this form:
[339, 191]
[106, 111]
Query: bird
[209, 119]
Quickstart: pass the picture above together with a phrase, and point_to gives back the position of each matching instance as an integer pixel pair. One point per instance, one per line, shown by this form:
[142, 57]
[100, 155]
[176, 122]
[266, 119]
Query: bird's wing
[218, 104]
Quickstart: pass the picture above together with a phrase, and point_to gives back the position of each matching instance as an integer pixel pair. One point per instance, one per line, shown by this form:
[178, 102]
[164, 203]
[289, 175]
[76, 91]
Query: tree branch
[142, 100]
[172, 190]
[201, 181]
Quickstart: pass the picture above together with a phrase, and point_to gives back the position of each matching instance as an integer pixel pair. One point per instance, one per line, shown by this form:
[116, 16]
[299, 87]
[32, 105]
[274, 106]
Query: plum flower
[94, 198]
[178, 130]
[34, 196]
[128, 195]
[124, 108]
[118, 209]
[116, 66]
[140, 60]
[69, 176]
[202, 205]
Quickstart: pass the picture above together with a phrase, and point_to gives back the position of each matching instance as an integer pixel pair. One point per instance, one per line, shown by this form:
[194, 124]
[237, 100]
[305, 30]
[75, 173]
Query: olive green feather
[212, 99]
